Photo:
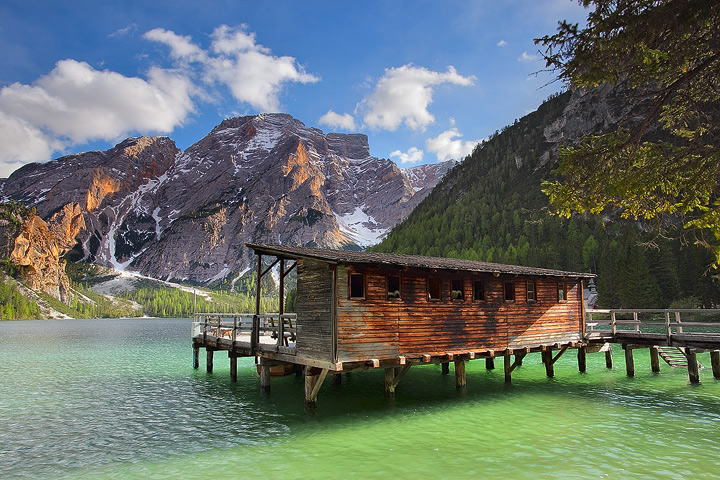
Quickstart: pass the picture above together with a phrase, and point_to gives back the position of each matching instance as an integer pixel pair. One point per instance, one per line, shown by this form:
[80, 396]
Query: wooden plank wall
[366, 328]
[314, 310]
[378, 327]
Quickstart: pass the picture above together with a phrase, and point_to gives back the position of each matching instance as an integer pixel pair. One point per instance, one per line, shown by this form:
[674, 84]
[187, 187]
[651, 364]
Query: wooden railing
[281, 328]
[671, 322]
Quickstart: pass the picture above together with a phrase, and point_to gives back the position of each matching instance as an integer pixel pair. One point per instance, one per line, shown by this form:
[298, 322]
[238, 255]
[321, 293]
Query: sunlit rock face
[145, 206]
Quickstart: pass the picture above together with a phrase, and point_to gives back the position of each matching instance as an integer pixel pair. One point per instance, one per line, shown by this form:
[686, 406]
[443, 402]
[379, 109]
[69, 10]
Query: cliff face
[147, 207]
[33, 250]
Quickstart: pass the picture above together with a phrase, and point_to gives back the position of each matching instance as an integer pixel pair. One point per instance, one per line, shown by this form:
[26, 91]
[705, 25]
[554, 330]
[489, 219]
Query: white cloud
[447, 145]
[335, 120]
[403, 95]
[75, 103]
[411, 157]
[502, 43]
[249, 70]
[526, 57]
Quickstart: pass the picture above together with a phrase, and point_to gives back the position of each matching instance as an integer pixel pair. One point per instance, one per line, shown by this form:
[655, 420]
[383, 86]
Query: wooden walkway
[675, 336]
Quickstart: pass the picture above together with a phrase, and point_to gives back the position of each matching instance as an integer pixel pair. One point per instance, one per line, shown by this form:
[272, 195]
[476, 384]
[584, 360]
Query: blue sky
[425, 80]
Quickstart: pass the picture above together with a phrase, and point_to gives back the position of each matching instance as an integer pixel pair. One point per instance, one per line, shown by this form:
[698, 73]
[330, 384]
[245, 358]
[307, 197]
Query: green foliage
[14, 305]
[491, 208]
[667, 52]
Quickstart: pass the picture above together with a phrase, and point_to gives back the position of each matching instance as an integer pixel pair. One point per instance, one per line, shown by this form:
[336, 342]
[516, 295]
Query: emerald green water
[87, 399]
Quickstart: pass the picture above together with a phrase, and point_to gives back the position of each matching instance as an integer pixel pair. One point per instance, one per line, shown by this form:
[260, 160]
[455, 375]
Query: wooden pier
[361, 311]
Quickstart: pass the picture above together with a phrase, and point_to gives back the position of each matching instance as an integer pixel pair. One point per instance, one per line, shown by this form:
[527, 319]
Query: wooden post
[209, 359]
[389, 382]
[233, 367]
[490, 363]
[337, 379]
[715, 361]
[609, 357]
[310, 380]
[264, 378]
[547, 359]
[693, 371]
[507, 365]
[460, 379]
[446, 368]
[655, 359]
[582, 359]
[629, 361]
[196, 356]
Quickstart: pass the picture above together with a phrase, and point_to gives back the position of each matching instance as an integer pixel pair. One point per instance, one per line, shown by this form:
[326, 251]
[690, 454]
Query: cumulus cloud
[75, 103]
[335, 120]
[448, 145]
[502, 43]
[526, 57]
[235, 60]
[411, 157]
[402, 96]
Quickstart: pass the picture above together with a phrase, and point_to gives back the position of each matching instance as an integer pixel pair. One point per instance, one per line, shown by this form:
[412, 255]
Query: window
[478, 290]
[434, 288]
[562, 292]
[393, 286]
[357, 285]
[509, 291]
[531, 293]
[458, 292]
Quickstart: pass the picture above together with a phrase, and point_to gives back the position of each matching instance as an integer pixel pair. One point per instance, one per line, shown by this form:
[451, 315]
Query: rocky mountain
[147, 207]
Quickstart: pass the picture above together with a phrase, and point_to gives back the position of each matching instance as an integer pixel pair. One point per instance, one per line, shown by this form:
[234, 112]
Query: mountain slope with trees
[491, 208]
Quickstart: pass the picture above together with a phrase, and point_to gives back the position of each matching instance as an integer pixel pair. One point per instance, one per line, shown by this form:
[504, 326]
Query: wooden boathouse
[361, 310]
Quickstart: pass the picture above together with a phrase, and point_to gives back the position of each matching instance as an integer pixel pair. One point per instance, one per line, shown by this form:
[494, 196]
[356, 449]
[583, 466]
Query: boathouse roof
[401, 260]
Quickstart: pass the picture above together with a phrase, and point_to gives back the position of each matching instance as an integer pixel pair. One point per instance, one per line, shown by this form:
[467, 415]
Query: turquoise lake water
[119, 399]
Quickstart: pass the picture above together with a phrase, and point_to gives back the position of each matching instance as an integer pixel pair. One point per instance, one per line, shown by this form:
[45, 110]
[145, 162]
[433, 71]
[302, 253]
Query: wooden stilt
[490, 363]
[609, 357]
[582, 359]
[460, 379]
[233, 367]
[310, 380]
[264, 378]
[693, 370]
[337, 379]
[655, 359]
[547, 359]
[507, 365]
[715, 362]
[629, 361]
[446, 368]
[209, 359]
[389, 382]
[196, 356]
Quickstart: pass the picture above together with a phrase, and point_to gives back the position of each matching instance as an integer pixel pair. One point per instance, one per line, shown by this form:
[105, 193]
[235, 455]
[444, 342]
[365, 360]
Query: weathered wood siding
[314, 310]
[378, 327]
[366, 328]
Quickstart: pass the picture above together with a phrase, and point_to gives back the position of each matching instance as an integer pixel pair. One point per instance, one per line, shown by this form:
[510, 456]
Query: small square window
[458, 289]
[478, 290]
[562, 292]
[434, 288]
[393, 286]
[509, 291]
[357, 285]
[531, 293]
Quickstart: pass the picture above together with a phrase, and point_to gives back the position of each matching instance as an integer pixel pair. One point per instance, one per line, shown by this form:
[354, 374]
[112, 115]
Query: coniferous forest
[491, 208]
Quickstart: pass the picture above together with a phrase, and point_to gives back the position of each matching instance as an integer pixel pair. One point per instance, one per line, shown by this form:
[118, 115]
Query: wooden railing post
[613, 325]
[678, 321]
[636, 320]
[668, 328]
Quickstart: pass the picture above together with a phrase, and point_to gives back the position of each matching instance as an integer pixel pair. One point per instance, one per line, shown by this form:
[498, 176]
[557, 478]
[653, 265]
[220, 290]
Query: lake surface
[88, 399]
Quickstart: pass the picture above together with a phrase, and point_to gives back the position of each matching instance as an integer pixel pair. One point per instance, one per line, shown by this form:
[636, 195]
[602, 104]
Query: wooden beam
[471, 355]
[290, 269]
[390, 382]
[490, 363]
[373, 362]
[445, 368]
[233, 367]
[401, 360]
[547, 361]
[582, 359]
[426, 358]
[268, 269]
[209, 357]
[450, 356]
[264, 378]
[318, 383]
[560, 353]
[693, 370]
[655, 359]
[508, 368]
[609, 357]
[715, 362]
[460, 379]
[629, 361]
[196, 356]
[402, 373]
